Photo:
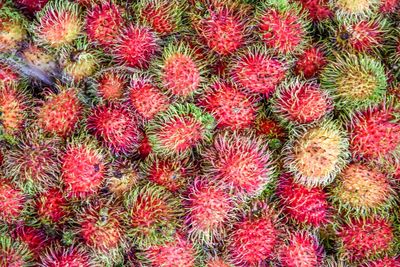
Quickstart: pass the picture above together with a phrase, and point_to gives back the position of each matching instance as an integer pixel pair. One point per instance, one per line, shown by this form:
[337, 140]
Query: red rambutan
[34, 238]
[13, 201]
[384, 262]
[144, 148]
[32, 6]
[389, 6]
[7, 75]
[71, 257]
[111, 86]
[14, 253]
[217, 262]
[310, 62]
[52, 207]
[318, 10]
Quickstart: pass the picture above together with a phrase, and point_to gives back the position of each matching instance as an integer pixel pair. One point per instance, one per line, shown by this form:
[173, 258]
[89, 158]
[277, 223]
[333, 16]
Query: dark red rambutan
[305, 205]
[60, 113]
[144, 148]
[135, 46]
[111, 86]
[384, 262]
[241, 162]
[389, 6]
[301, 102]
[269, 127]
[146, 99]
[366, 238]
[62, 256]
[310, 62]
[83, 168]
[32, 6]
[35, 238]
[258, 72]
[300, 249]
[230, 107]
[209, 210]
[8, 75]
[115, 126]
[14, 253]
[318, 10]
[103, 23]
[52, 207]
[13, 201]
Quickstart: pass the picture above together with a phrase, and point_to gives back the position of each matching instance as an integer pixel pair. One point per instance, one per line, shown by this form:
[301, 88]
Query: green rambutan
[240, 162]
[311, 62]
[14, 253]
[315, 155]
[179, 130]
[66, 256]
[13, 201]
[111, 86]
[12, 28]
[52, 207]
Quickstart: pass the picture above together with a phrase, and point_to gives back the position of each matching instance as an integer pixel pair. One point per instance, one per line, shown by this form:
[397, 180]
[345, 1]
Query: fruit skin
[354, 81]
[240, 162]
[103, 23]
[316, 154]
[35, 238]
[152, 215]
[389, 6]
[123, 175]
[13, 201]
[66, 256]
[364, 239]
[13, 29]
[180, 130]
[217, 262]
[60, 112]
[14, 253]
[362, 190]
[311, 62]
[230, 107]
[300, 102]
[136, 46]
[8, 75]
[115, 125]
[308, 206]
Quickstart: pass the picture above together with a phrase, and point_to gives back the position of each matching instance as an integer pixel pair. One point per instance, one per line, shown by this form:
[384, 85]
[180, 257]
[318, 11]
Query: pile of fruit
[210, 133]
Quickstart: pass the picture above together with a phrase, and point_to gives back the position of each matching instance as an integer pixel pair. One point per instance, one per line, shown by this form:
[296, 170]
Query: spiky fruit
[179, 70]
[240, 162]
[111, 86]
[34, 238]
[217, 262]
[103, 23]
[122, 177]
[209, 210]
[144, 148]
[384, 262]
[34, 161]
[13, 109]
[230, 107]
[178, 252]
[8, 75]
[161, 15]
[14, 253]
[355, 81]
[52, 207]
[13, 29]
[300, 249]
[179, 130]
[269, 127]
[32, 6]
[152, 215]
[375, 134]
[366, 238]
[301, 102]
[83, 168]
[305, 205]
[283, 27]
[12, 200]
[362, 190]
[135, 46]
[61, 256]
[61, 112]
[311, 62]
[389, 6]
[146, 98]
[316, 154]
[43, 63]
[318, 10]
[354, 9]
[59, 24]
[115, 126]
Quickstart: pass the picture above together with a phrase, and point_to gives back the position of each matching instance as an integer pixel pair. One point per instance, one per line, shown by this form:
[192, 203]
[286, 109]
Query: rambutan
[283, 26]
[34, 238]
[152, 215]
[315, 155]
[103, 23]
[267, 126]
[62, 256]
[41, 60]
[135, 46]
[305, 205]
[354, 9]
[146, 99]
[115, 126]
[31, 6]
[384, 262]
[111, 86]
[13, 201]
[230, 107]
[318, 10]
[123, 175]
[58, 24]
[217, 262]
[179, 130]
[8, 75]
[209, 210]
[366, 238]
[12, 29]
[60, 112]
[144, 148]
[241, 162]
[300, 249]
[389, 6]
[311, 62]
[83, 168]
[301, 102]
[14, 253]
[52, 207]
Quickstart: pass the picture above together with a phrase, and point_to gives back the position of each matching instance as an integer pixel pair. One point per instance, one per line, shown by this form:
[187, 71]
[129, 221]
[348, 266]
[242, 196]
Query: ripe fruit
[217, 262]
[32, 6]
[240, 162]
[384, 262]
[179, 130]
[111, 86]
[318, 10]
[8, 75]
[52, 207]
[311, 62]
[13, 29]
[14, 253]
[34, 238]
[66, 256]
[12, 200]
[355, 81]
[230, 107]
[316, 154]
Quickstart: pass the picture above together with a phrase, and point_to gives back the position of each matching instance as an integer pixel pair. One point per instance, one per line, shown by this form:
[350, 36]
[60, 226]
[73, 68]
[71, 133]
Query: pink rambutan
[209, 210]
[310, 62]
[14, 253]
[230, 107]
[111, 86]
[83, 168]
[318, 10]
[60, 112]
[146, 99]
[366, 238]
[301, 102]
[305, 205]
[241, 162]
[384, 262]
[103, 23]
[52, 207]
[115, 126]
[135, 46]
[13, 201]
[32, 6]
[258, 72]
[71, 257]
